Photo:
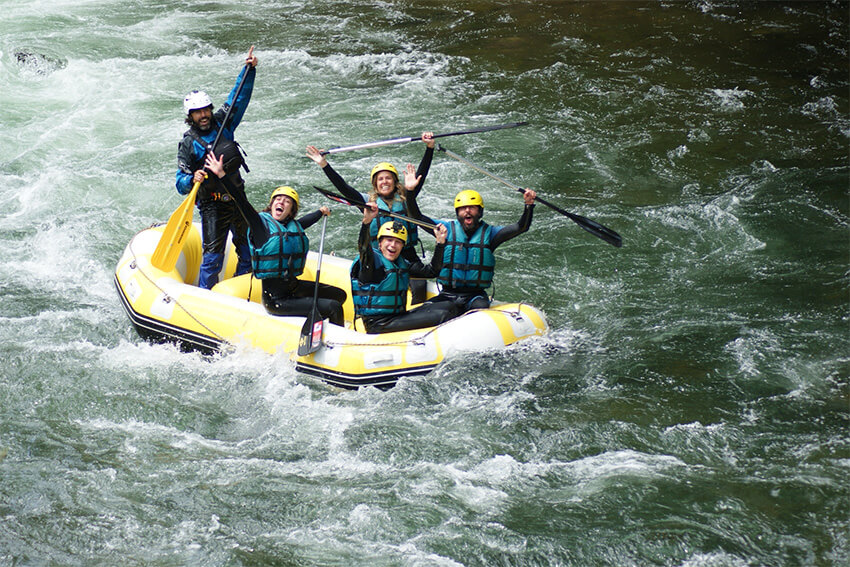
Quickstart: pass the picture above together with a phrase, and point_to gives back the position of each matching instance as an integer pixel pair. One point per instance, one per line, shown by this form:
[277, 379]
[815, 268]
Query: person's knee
[337, 316]
[443, 316]
[418, 291]
[333, 311]
[451, 311]
[212, 259]
[210, 267]
[478, 302]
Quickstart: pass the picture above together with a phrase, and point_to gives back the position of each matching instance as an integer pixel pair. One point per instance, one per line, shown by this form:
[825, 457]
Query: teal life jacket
[468, 262]
[397, 208]
[284, 253]
[389, 296]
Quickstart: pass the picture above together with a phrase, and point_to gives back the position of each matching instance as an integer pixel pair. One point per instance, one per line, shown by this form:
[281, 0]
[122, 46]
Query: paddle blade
[339, 198]
[591, 226]
[598, 230]
[174, 235]
[311, 334]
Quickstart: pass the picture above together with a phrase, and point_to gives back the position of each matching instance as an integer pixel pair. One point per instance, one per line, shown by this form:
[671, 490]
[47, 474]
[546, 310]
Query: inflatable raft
[169, 307]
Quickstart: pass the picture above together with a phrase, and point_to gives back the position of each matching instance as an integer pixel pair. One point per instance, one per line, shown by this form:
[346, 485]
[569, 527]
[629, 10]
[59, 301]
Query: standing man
[219, 214]
[468, 258]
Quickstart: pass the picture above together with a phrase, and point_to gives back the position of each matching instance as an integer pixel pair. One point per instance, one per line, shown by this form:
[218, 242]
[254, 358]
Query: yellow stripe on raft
[169, 306]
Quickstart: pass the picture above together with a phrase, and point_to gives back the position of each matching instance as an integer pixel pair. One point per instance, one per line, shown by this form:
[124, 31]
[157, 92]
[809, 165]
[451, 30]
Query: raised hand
[411, 181]
[316, 155]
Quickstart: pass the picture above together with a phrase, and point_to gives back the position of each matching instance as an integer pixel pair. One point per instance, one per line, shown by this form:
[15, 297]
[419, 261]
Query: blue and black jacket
[193, 147]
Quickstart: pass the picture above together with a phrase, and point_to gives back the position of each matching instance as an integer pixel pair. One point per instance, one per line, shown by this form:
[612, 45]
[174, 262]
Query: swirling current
[689, 406]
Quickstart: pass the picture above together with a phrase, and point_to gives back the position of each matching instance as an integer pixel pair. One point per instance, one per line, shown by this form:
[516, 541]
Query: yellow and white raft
[169, 307]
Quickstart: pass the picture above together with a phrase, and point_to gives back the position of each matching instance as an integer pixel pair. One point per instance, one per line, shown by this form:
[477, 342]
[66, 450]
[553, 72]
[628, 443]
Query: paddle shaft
[230, 108]
[306, 344]
[587, 224]
[319, 261]
[406, 139]
[211, 149]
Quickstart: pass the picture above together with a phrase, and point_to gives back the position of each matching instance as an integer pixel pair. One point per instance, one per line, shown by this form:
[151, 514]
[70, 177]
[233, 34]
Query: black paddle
[362, 205]
[311, 333]
[590, 226]
[406, 139]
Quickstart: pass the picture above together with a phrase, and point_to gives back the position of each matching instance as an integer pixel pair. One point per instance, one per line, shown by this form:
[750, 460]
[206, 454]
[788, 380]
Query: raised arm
[431, 270]
[369, 272]
[241, 102]
[424, 165]
[507, 232]
[310, 219]
[414, 212]
[347, 190]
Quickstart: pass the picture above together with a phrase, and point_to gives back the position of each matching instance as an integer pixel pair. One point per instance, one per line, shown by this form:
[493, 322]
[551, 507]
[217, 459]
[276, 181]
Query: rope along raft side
[169, 307]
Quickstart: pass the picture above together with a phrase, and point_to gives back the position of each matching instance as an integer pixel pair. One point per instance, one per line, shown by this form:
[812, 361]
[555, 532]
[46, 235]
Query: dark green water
[689, 407]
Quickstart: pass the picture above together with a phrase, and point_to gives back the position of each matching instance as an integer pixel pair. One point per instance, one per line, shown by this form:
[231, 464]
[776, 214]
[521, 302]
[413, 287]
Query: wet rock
[38, 63]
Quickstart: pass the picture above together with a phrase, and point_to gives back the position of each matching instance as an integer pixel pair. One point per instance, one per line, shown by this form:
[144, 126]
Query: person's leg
[239, 229]
[332, 292]
[426, 315]
[301, 301]
[478, 302]
[418, 290]
[214, 235]
[457, 302]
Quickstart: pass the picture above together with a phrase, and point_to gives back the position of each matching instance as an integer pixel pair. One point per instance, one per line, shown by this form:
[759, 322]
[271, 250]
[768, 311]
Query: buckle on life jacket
[223, 197]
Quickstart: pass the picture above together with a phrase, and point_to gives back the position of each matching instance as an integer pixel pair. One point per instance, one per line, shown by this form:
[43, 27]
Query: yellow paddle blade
[171, 243]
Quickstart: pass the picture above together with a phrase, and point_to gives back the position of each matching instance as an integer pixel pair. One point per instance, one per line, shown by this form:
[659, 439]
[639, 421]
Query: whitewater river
[689, 406]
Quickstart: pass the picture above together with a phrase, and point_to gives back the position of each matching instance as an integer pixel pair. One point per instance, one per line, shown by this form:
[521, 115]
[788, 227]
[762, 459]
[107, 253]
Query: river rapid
[689, 406]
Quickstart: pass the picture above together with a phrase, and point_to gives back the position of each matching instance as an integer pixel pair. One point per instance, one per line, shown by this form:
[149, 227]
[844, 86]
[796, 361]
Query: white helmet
[195, 100]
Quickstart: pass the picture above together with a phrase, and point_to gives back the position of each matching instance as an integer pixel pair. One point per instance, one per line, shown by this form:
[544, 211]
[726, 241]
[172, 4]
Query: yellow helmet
[467, 198]
[383, 166]
[394, 229]
[285, 190]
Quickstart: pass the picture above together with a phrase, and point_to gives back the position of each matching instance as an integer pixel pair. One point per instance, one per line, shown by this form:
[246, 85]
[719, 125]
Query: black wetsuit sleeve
[347, 190]
[510, 231]
[258, 231]
[422, 170]
[369, 272]
[310, 219]
[414, 212]
[432, 269]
